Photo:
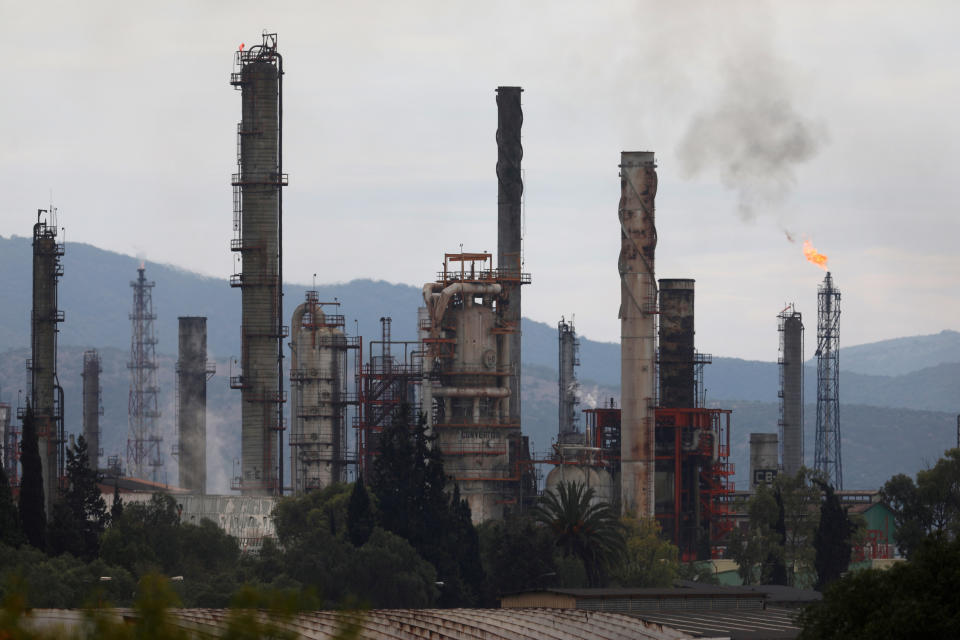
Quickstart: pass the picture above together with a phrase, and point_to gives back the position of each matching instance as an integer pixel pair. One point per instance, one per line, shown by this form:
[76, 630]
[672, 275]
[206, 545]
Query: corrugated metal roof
[431, 624]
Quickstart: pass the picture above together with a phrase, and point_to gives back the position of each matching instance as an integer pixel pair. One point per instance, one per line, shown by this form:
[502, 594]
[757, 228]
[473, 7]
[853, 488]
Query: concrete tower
[509, 227]
[92, 407]
[46, 394]
[791, 389]
[193, 371]
[638, 301]
[257, 225]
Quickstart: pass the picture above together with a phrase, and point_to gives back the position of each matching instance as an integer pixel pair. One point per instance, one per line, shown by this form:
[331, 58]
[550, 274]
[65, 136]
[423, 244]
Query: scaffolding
[694, 479]
[827, 458]
[258, 244]
[383, 385]
[143, 440]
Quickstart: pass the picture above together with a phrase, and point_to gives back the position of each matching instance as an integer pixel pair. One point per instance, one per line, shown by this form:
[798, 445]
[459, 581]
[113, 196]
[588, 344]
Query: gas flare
[814, 256]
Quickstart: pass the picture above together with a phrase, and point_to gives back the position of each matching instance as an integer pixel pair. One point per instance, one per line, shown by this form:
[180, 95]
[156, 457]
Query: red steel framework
[384, 385]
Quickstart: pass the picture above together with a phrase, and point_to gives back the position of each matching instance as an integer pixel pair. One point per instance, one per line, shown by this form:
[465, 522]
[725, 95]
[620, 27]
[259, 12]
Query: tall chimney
[791, 389]
[676, 344]
[92, 408]
[638, 295]
[509, 219]
[192, 371]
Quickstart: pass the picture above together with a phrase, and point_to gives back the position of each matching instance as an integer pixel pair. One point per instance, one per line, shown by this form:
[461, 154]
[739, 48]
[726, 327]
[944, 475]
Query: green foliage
[409, 483]
[776, 547]
[116, 509]
[916, 599]
[649, 560]
[517, 554]
[929, 506]
[583, 527]
[360, 518]
[80, 515]
[10, 532]
[832, 539]
[33, 515]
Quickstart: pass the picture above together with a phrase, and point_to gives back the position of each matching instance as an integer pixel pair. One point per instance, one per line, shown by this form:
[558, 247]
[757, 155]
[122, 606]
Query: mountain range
[899, 397]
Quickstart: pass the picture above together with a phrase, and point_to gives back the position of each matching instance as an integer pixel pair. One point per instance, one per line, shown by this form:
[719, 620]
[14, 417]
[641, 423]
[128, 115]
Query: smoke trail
[752, 135]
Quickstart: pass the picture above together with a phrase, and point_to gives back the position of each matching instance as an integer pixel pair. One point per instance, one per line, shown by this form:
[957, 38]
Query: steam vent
[257, 226]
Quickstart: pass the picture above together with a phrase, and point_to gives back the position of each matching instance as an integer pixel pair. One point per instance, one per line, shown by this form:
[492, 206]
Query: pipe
[471, 392]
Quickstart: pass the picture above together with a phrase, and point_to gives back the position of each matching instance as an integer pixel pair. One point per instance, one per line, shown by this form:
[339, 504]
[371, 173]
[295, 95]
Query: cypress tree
[10, 532]
[359, 516]
[116, 509]
[832, 540]
[33, 516]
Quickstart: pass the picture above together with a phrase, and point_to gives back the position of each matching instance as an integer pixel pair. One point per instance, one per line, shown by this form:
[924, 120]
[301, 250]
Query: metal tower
[827, 453]
[143, 438]
[790, 326]
[258, 241]
[569, 387]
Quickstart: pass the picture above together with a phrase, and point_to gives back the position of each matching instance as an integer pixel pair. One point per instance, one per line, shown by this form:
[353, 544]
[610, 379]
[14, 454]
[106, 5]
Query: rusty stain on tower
[638, 306]
[258, 233]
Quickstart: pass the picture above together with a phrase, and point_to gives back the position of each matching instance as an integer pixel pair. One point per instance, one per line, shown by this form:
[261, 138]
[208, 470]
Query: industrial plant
[658, 451]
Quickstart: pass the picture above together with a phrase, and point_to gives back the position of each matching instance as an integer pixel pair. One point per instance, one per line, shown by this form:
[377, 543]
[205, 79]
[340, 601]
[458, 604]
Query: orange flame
[143, 264]
[241, 46]
[814, 256]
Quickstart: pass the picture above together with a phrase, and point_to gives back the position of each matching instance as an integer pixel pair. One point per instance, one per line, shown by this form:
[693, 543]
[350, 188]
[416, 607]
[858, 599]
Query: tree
[360, 520]
[410, 486]
[517, 554]
[10, 532]
[916, 599]
[33, 515]
[832, 539]
[931, 505]
[757, 548]
[582, 527]
[116, 509]
[80, 516]
[649, 560]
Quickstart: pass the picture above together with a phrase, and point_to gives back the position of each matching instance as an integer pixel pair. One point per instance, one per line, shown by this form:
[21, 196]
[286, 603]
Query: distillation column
[46, 395]
[192, 375]
[92, 407]
[258, 241]
[569, 387]
[318, 371]
[791, 390]
[638, 295]
[509, 228]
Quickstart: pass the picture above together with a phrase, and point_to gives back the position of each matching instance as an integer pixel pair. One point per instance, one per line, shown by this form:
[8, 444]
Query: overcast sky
[836, 121]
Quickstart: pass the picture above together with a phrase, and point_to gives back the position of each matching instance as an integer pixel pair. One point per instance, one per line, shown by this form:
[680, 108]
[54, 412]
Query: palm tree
[582, 527]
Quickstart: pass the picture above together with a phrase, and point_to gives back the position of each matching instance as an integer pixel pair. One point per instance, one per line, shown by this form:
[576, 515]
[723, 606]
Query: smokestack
[763, 458]
[192, 370]
[92, 409]
[676, 344]
[791, 390]
[46, 394]
[509, 220]
[638, 296]
[258, 227]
